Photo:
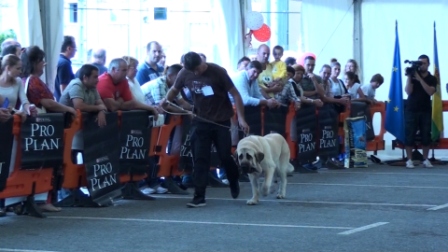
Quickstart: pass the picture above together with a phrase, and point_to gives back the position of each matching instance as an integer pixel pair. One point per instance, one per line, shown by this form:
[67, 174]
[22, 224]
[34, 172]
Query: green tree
[6, 35]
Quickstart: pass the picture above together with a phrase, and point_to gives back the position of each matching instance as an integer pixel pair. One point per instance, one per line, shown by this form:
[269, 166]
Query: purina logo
[136, 132]
[102, 159]
[43, 119]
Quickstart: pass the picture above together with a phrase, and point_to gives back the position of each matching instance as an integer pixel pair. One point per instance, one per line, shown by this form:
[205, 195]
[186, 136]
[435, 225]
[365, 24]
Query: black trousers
[203, 134]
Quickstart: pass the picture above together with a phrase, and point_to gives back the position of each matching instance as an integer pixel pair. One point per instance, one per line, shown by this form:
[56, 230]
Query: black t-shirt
[209, 92]
[419, 100]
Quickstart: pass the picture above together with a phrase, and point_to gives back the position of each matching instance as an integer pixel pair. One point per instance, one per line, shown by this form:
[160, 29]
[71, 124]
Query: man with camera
[420, 86]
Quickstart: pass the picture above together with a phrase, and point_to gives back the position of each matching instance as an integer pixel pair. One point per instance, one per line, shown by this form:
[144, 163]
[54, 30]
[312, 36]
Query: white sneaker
[427, 164]
[148, 190]
[409, 164]
[161, 190]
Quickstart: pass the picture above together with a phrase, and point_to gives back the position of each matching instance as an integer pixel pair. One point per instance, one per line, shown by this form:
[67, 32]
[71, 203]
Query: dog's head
[248, 160]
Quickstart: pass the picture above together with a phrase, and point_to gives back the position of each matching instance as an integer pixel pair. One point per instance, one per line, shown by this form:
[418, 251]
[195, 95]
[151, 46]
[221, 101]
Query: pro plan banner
[102, 157]
[186, 154]
[135, 138]
[306, 123]
[6, 140]
[362, 109]
[41, 141]
[328, 131]
[275, 120]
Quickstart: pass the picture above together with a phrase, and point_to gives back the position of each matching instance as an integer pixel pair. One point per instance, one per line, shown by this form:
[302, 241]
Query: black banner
[42, 141]
[102, 157]
[6, 142]
[275, 120]
[363, 109]
[186, 154]
[328, 131]
[306, 123]
[135, 138]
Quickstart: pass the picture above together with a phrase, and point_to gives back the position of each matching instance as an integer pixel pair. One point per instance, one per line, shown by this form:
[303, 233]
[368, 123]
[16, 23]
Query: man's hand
[32, 110]
[418, 77]
[272, 103]
[297, 105]
[102, 107]
[318, 103]
[71, 111]
[243, 125]
[164, 103]
[154, 111]
[4, 114]
[101, 118]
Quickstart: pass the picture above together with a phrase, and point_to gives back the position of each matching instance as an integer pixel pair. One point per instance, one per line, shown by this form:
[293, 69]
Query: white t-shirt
[353, 91]
[337, 87]
[368, 91]
[136, 90]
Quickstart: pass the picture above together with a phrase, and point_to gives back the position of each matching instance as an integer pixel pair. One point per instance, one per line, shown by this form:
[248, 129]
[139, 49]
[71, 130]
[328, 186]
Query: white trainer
[427, 164]
[409, 164]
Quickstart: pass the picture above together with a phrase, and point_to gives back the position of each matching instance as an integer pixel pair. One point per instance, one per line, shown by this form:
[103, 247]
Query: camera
[415, 66]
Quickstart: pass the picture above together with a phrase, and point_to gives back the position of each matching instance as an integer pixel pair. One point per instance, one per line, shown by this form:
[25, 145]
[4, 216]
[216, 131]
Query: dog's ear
[235, 158]
[259, 156]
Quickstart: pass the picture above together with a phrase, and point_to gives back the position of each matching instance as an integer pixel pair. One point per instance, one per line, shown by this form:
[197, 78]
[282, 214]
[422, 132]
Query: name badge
[207, 91]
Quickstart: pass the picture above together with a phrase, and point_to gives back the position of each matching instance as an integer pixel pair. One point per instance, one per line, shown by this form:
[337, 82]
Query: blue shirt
[146, 73]
[64, 75]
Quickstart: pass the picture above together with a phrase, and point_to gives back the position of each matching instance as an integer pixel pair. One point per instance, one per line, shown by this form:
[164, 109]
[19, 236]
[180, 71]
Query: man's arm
[239, 109]
[409, 86]
[78, 103]
[430, 90]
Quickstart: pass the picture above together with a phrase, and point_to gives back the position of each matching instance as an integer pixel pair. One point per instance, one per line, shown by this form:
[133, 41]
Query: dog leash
[187, 112]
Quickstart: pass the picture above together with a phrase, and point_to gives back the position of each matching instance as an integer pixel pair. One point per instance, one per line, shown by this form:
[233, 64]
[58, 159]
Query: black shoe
[197, 202]
[234, 189]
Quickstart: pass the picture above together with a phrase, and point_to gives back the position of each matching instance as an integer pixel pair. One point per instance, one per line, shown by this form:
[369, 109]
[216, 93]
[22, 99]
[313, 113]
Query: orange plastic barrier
[168, 164]
[25, 182]
[378, 143]
[74, 174]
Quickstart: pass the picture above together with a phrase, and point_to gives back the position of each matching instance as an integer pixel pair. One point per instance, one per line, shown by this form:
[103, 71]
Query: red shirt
[107, 89]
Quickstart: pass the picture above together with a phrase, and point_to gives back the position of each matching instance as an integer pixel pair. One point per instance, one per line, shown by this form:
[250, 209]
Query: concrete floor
[379, 208]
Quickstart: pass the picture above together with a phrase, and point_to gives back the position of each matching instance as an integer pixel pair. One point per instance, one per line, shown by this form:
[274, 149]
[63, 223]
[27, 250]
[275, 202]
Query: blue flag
[395, 106]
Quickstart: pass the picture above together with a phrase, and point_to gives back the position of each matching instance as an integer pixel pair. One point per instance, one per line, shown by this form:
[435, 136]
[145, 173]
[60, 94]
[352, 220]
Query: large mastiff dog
[266, 155]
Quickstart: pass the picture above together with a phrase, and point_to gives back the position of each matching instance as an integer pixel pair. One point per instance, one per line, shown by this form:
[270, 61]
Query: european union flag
[395, 106]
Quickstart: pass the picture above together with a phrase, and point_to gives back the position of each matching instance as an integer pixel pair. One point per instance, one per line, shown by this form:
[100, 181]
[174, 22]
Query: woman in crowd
[38, 93]
[134, 85]
[352, 66]
[353, 87]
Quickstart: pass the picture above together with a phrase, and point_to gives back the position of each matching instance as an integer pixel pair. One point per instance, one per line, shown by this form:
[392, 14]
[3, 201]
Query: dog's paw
[252, 202]
[280, 196]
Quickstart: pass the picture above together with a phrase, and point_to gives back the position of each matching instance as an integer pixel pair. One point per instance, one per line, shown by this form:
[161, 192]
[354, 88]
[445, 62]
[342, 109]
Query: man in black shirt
[209, 85]
[419, 88]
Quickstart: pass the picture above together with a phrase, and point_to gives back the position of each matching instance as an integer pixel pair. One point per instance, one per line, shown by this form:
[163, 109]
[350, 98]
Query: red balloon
[301, 59]
[263, 34]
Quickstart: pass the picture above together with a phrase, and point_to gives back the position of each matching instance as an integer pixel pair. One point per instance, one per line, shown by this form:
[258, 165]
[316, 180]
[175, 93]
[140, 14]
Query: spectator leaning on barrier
[311, 82]
[81, 94]
[114, 89]
[417, 115]
[246, 84]
[209, 85]
[326, 93]
[37, 92]
[134, 85]
[370, 89]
